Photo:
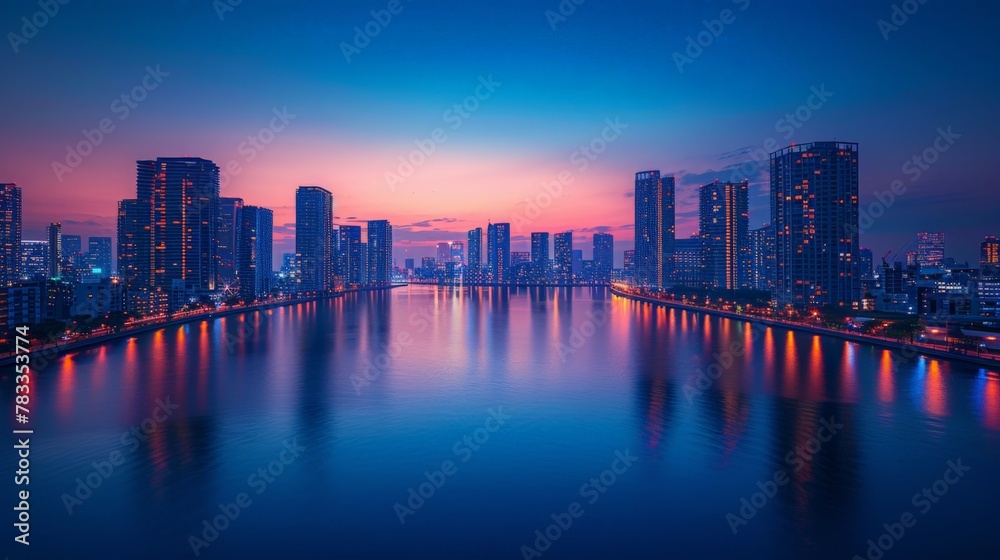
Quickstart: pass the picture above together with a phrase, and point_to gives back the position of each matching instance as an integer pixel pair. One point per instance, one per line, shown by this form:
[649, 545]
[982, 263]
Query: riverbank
[919, 349]
[49, 352]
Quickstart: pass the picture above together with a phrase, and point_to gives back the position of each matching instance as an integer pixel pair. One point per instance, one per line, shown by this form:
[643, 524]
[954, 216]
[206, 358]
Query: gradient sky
[355, 120]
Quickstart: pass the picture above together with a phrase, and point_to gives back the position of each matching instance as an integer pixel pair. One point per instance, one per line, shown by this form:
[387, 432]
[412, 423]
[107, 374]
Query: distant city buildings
[814, 209]
[563, 268]
[989, 254]
[99, 256]
[53, 233]
[762, 258]
[930, 250]
[604, 257]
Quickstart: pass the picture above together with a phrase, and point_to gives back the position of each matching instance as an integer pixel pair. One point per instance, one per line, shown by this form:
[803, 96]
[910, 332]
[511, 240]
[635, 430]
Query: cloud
[630, 194]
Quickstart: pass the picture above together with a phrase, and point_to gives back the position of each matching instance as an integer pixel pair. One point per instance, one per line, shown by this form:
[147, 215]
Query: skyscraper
[230, 223]
[930, 249]
[458, 252]
[628, 265]
[313, 230]
[443, 254]
[687, 262]
[254, 252]
[350, 254]
[654, 229]
[498, 249]
[563, 257]
[724, 218]
[72, 255]
[34, 260]
[539, 257]
[53, 233]
[814, 208]
[135, 265]
[379, 252]
[866, 263]
[10, 234]
[604, 256]
[99, 256]
[762, 258]
[989, 253]
[183, 194]
[476, 249]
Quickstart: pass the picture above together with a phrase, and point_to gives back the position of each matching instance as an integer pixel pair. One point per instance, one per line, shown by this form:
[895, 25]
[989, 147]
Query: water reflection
[245, 383]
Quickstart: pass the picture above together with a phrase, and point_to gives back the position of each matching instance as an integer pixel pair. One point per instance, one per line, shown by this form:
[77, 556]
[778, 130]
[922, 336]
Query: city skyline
[519, 138]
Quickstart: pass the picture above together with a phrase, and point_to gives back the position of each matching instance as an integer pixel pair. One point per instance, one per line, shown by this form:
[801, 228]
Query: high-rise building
[135, 256]
[443, 254]
[53, 233]
[814, 208]
[724, 218]
[10, 234]
[654, 229]
[409, 264]
[762, 259]
[563, 253]
[866, 263]
[930, 249]
[230, 222]
[72, 255]
[476, 249]
[498, 252]
[181, 196]
[628, 264]
[349, 255]
[99, 256]
[458, 252]
[254, 256]
[379, 252]
[687, 262]
[989, 254]
[576, 264]
[313, 231]
[539, 257]
[520, 266]
[34, 260]
[604, 256]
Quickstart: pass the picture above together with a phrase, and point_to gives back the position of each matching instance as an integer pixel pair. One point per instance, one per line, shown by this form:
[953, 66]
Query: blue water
[505, 407]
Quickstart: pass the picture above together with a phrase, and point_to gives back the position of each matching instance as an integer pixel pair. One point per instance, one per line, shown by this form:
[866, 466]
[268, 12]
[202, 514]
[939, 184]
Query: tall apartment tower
[604, 256]
[930, 249]
[563, 253]
[654, 229]
[379, 252]
[498, 252]
[814, 209]
[724, 220]
[313, 239]
[253, 252]
[539, 257]
[10, 234]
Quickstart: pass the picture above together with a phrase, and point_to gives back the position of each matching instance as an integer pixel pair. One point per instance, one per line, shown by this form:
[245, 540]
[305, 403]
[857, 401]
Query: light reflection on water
[245, 383]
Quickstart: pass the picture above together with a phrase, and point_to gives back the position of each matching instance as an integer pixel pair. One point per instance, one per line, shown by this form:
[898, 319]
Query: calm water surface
[386, 391]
